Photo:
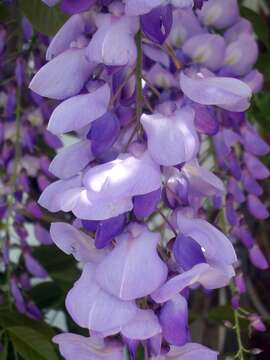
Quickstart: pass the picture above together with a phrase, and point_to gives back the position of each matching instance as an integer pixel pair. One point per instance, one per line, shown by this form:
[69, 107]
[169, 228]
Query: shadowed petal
[143, 326]
[178, 283]
[138, 270]
[71, 160]
[91, 307]
[75, 242]
[171, 140]
[191, 351]
[69, 32]
[78, 347]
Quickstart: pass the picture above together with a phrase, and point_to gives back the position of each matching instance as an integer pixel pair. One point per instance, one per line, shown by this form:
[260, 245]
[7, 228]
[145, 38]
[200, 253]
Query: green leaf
[30, 344]
[44, 19]
[61, 267]
[140, 354]
[11, 318]
[221, 313]
[259, 25]
[47, 295]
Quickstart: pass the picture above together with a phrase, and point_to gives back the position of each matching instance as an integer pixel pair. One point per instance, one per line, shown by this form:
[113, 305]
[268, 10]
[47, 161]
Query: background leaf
[30, 344]
[44, 19]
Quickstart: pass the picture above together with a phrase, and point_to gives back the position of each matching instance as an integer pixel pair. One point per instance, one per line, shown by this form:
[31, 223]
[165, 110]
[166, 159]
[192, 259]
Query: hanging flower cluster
[147, 87]
[23, 164]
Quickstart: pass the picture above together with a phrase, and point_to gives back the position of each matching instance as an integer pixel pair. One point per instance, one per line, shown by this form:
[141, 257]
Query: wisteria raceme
[145, 84]
[24, 167]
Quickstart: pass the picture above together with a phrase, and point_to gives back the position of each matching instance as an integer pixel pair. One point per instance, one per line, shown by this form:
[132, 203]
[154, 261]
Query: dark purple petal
[145, 205]
[244, 235]
[250, 184]
[76, 6]
[104, 132]
[233, 165]
[16, 293]
[187, 252]
[34, 267]
[230, 211]
[257, 208]
[257, 169]
[174, 321]
[205, 121]
[257, 258]
[157, 23]
[107, 230]
[235, 190]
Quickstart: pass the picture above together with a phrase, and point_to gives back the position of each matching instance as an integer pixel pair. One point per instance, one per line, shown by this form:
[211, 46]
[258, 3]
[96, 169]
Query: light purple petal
[69, 32]
[78, 347]
[206, 49]
[64, 76]
[123, 177]
[73, 114]
[113, 43]
[143, 326]
[201, 180]
[138, 270]
[75, 242]
[185, 25]
[191, 351]
[219, 14]
[51, 196]
[178, 283]
[91, 307]
[241, 55]
[71, 160]
[227, 93]
[88, 205]
[171, 140]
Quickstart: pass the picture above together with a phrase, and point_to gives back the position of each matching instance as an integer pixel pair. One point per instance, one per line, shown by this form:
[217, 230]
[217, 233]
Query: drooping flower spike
[145, 84]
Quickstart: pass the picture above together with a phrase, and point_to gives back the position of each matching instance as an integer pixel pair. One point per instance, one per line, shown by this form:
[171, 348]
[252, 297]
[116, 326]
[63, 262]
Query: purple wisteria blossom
[144, 86]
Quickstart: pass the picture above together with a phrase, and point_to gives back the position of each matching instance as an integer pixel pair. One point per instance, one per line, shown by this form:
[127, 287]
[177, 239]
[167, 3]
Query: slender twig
[138, 71]
[121, 87]
[151, 86]
[167, 221]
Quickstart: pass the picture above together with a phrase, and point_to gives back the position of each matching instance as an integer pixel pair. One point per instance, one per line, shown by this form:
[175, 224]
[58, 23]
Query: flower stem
[240, 353]
[138, 71]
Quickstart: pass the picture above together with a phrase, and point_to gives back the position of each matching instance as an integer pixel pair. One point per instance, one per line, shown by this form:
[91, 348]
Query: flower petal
[138, 270]
[71, 160]
[171, 140]
[75, 242]
[64, 76]
[143, 326]
[227, 93]
[73, 114]
[91, 307]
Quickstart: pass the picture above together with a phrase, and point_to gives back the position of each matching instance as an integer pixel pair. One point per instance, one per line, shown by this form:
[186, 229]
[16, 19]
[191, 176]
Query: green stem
[240, 353]
[138, 71]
